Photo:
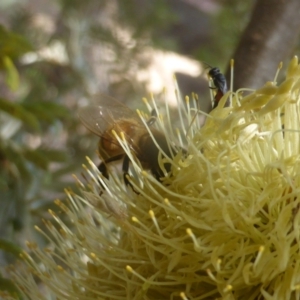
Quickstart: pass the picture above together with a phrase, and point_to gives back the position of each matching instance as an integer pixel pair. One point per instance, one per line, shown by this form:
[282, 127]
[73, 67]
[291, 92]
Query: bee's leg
[153, 117]
[102, 167]
[125, 168]
[158, 174]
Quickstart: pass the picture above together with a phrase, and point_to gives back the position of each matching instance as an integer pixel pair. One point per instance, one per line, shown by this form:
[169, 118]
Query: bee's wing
[98, 118]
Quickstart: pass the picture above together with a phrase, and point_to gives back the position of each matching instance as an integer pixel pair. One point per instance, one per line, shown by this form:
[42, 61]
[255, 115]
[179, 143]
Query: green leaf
[66, 169]
[42, 157]
[8, 286]
[17, 111]
[36, 157]
[54, 155]
[12, 45]
[10, 247]
[11, 154]
[46, 110]
[12, 75]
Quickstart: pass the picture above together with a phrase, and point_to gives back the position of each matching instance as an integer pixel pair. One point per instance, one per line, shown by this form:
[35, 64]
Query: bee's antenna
[208, 65]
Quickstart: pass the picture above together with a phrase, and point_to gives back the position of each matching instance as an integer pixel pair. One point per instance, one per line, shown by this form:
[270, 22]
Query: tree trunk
[270, 37]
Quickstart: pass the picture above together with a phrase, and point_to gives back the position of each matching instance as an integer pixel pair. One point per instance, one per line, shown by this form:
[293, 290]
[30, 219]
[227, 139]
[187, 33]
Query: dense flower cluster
[223, 225]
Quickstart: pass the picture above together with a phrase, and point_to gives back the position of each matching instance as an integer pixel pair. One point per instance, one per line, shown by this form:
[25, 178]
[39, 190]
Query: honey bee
[111, 115]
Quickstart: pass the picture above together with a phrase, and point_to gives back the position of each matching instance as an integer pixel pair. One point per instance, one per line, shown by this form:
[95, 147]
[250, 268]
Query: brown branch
[270, 37]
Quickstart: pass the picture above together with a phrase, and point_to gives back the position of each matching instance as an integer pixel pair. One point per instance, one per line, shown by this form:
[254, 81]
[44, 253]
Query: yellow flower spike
[183, 296]
[78, 181]
[93, 256]
[31, 246]
[280, 65]
[222, 223]
[218, 265]
[297, 85]
[296, 287]
[210, 274]
[135, 220]
[223, 101]
[257, 102]
[259, 255]
[269, 89]
[152, 216]
[145, 100]
[61, 205]
[196, 244]
[227, 289]
[130, 270]
[187, 101]
[92, 269]
[293, 67]
[274, 103]
[258, 99]
[60, 268]
[286, 87]
[52, 213]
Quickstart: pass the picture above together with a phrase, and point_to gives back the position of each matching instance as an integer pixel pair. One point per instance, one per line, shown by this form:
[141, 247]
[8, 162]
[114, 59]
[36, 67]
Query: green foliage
[152, 16]
[32, 119]
[10, 247]
[12, 78]
[12, 45]
[17, 111]
[46, 111]
[9, 287]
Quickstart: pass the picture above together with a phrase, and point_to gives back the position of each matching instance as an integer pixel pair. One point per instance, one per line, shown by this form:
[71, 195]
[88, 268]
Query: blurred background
[55, 55]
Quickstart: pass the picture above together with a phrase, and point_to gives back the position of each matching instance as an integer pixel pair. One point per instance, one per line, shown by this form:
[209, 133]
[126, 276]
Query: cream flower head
[224, 224]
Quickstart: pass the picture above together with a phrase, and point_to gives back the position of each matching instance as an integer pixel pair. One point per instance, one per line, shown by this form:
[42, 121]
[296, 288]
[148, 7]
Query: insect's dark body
[220, 84]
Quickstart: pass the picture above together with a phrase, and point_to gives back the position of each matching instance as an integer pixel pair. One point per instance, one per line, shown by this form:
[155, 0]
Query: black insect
[220, 84]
